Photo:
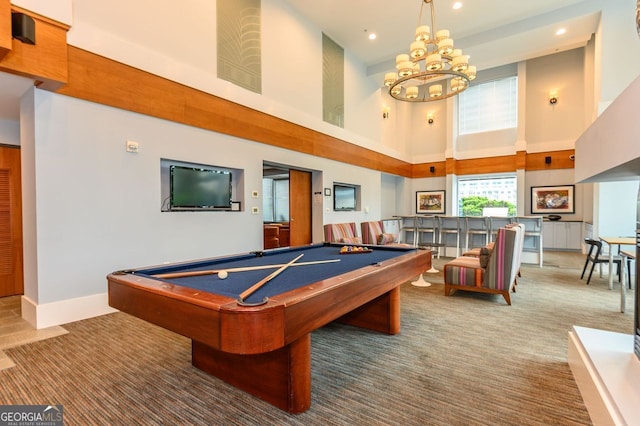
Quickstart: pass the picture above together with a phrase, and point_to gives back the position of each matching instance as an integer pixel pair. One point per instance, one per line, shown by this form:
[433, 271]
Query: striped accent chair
[341, 233]
[373, 233]
[498, 277]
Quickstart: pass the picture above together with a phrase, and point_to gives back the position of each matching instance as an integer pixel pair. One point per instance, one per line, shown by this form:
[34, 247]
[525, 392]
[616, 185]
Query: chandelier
[433, 69]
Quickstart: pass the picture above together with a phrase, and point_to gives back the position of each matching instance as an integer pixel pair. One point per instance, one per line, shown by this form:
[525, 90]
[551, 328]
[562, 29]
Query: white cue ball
[223, 274]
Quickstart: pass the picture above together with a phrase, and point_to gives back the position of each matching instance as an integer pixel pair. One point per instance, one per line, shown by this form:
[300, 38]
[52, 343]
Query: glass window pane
[488, 196]
[267, 200]
[489, 106]
[281, 200]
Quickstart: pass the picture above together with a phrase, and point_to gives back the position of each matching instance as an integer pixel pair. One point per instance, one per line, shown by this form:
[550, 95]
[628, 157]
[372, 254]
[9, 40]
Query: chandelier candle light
[433, 69]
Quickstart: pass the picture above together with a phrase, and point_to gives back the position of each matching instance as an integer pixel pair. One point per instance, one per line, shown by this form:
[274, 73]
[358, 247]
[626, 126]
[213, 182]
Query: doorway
[11, 260]
[287, 206]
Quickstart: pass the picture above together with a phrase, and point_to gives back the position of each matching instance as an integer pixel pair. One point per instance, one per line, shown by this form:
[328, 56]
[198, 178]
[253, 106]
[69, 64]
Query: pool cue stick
[241, 269]
[248, 292]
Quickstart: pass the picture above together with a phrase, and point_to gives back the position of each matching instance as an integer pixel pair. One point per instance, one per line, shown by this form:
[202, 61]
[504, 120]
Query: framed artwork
[430, 202]
[552, 199]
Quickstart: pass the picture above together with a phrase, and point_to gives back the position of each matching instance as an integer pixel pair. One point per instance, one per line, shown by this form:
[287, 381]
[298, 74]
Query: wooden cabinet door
[11, 276]
[300, 198]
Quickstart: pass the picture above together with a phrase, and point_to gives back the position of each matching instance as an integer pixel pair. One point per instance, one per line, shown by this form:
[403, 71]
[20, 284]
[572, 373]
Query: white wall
[92, 208]
[9, 132]
[59, 10]
[616, 209]
[291, 64]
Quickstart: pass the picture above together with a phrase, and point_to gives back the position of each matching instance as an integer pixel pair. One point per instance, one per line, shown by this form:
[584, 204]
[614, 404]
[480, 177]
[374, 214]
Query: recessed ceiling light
[561, 31]
[371, 36]
[457, 5]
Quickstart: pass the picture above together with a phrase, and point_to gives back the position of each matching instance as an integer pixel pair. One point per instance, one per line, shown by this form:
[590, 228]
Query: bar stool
[449, 225]
[476, 225]
[497, 222]
[426, 225]
[407, 224]
[533, 232]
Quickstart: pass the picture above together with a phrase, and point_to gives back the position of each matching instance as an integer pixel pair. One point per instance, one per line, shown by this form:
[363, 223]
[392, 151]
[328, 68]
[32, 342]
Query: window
[488, 106]
[488, 196]
[275, 204]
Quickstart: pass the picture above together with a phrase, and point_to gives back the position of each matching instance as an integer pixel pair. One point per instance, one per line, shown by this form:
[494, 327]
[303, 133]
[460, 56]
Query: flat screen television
[193, 188]
[344, 197]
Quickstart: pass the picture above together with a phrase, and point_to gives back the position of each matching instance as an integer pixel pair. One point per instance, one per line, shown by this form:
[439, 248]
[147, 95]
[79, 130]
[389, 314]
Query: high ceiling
[492, 32]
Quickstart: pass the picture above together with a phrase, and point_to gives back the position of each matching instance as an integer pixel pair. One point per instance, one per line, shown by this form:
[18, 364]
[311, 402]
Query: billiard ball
[223, 275]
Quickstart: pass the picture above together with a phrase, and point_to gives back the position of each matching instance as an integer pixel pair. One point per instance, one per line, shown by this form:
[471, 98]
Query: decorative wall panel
[238, 38]
[332, 82]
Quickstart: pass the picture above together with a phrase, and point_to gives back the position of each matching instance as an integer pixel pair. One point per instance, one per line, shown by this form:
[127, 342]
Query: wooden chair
[595, 258]
[271, 237]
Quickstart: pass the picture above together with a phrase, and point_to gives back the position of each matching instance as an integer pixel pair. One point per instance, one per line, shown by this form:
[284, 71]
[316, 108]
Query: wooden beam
[98, 79]
[46, 61]
[5, 28]
[559, 160]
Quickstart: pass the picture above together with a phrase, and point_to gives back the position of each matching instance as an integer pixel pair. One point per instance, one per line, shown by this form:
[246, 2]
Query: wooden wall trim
[501, 164]
[5, 27]
[98, 79]
[46, 61]
[559, 160]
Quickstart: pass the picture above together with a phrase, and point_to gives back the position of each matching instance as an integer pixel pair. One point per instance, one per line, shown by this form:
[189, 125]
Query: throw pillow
[386, 238]
[352, 240]
[485, 255]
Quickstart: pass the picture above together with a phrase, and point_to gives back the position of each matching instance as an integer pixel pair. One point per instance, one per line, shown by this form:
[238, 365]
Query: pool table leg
[281, 377]
[382, 314]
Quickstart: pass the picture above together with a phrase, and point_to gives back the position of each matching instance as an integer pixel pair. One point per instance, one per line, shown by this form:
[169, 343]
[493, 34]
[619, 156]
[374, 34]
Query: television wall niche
[346, 197]
[187, 186]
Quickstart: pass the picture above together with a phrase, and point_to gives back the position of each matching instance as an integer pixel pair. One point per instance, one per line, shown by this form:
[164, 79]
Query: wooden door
[11, 278]
[300, 198]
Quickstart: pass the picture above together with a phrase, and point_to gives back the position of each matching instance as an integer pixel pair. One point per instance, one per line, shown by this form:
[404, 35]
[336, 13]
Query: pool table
[262, 343]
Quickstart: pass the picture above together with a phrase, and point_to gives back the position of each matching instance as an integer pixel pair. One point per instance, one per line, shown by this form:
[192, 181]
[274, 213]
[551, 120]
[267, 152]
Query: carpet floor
[467, 359]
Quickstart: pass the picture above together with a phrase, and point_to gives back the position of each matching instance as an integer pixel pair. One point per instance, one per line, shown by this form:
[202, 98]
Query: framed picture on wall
[430, 202]
[552, 199]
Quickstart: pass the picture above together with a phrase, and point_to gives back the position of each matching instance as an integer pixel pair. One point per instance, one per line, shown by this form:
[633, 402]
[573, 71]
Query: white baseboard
[65, 311]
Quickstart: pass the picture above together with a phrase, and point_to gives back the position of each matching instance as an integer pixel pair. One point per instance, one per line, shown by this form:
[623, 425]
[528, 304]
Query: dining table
[613, 242]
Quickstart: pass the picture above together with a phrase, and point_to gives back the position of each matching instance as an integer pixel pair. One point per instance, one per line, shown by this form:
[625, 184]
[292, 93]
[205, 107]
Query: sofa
[493, 271]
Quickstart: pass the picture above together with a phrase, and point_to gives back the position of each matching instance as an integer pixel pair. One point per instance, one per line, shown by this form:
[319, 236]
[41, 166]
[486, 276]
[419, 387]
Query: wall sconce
[385, 112]
[553, 97]
[430, 118]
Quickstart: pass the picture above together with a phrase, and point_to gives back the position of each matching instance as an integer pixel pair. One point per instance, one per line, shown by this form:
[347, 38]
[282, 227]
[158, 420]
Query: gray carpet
[468, 359]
